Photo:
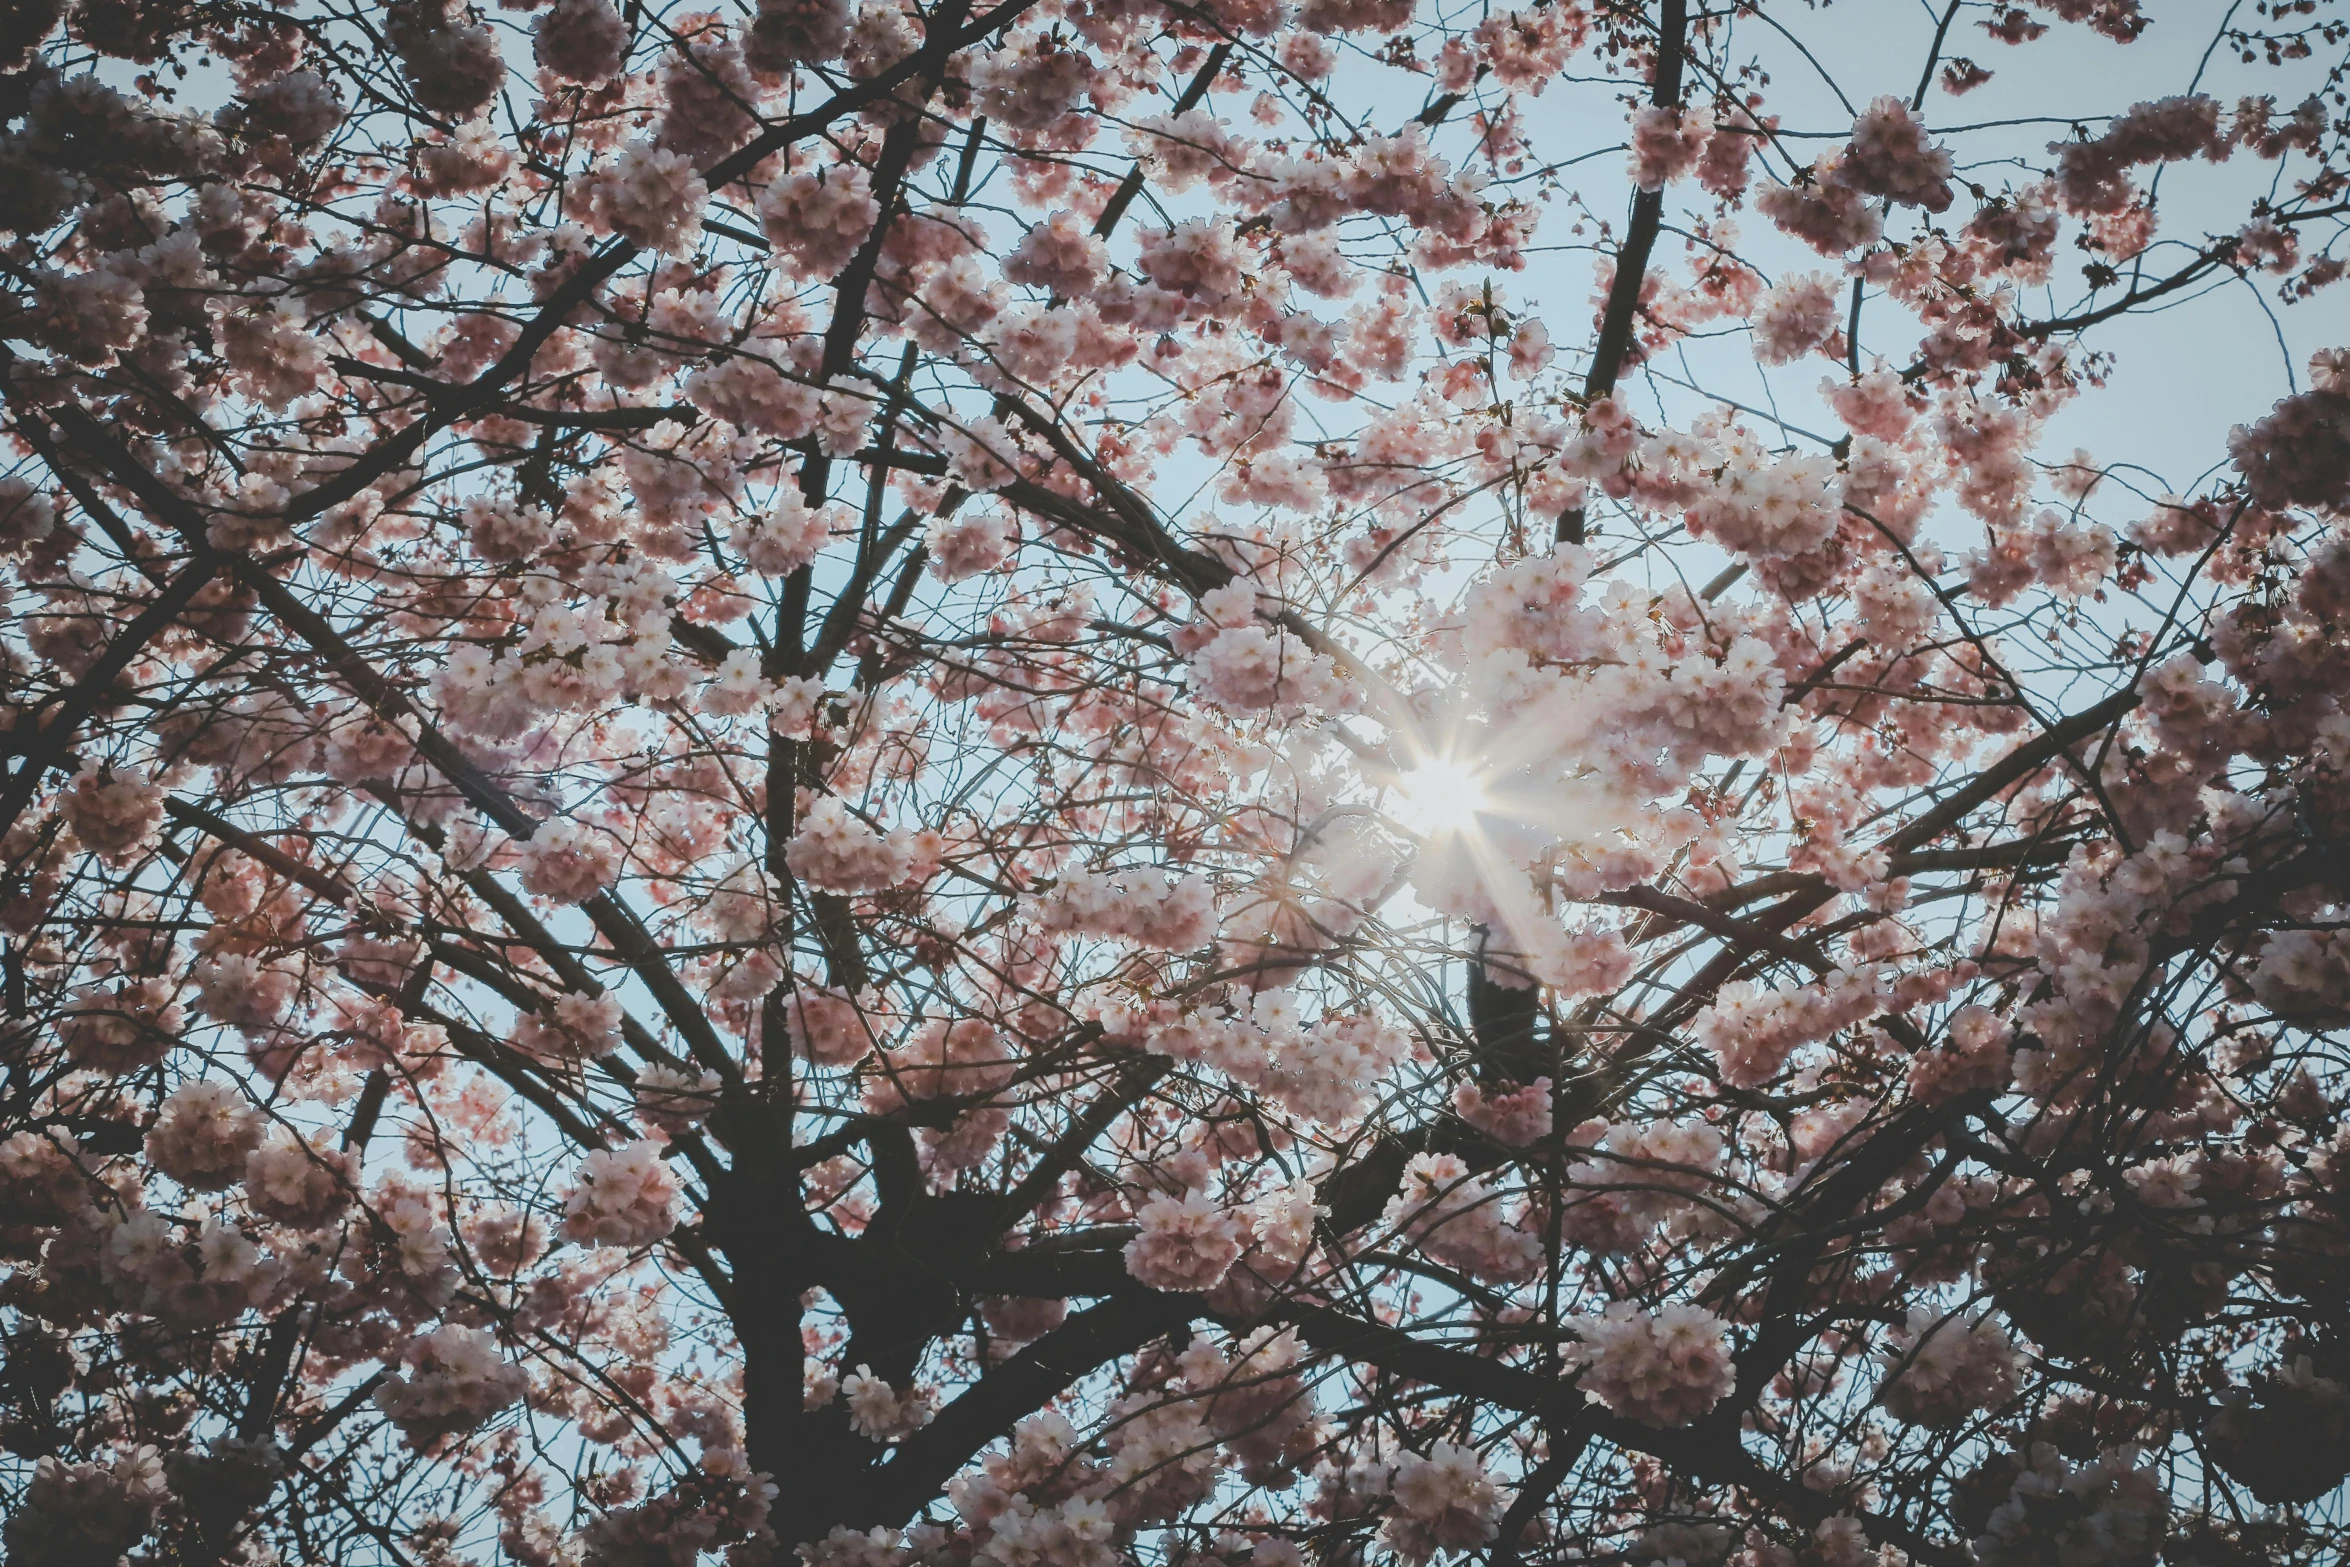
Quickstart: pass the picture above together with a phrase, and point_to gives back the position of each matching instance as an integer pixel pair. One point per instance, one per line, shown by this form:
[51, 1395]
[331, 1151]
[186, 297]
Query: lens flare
[1441, 795]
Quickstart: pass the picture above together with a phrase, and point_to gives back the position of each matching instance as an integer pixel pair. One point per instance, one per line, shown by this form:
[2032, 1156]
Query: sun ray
[1444, 794]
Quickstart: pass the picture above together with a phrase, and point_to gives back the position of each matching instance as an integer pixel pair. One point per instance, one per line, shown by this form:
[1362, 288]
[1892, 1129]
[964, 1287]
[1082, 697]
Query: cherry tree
[1026, 783]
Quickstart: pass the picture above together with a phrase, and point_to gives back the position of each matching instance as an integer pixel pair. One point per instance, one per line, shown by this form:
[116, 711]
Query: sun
[1442, 795]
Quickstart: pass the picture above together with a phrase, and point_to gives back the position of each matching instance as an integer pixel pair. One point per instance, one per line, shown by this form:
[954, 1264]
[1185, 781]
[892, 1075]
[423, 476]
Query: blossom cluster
[1150, 909]
[449, 1382]
[621, 1197]
[1665, 1368]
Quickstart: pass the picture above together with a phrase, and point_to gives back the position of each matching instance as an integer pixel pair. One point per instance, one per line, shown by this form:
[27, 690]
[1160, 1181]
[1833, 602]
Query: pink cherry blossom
[448, 1383]
[1664, 1369]
[1185, 1243]
[897, 785]
[621, 1197]
[566, 862]
[203, 1136]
